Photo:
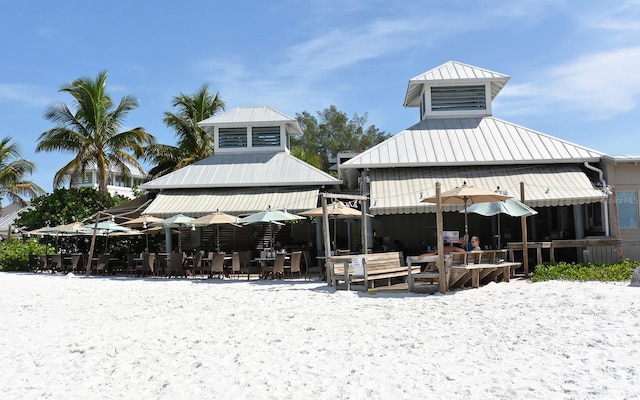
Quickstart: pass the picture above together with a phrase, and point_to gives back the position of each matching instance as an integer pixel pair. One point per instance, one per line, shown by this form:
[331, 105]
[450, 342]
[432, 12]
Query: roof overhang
[197, 203]
[399, 190]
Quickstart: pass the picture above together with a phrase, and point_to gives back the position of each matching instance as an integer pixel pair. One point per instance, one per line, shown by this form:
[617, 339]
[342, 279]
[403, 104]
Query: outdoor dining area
[137, 247]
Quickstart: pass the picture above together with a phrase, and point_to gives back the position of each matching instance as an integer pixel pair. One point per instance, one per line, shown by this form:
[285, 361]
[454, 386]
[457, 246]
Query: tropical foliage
[333, 132]
[13, 173]
[64, 206]
[14, 254]
[584, 271]
[193, 143]
[92, 133]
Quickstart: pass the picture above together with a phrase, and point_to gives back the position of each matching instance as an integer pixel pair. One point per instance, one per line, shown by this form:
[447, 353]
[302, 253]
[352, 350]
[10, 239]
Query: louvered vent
[232, 137]
[265, 136]
[457, 98]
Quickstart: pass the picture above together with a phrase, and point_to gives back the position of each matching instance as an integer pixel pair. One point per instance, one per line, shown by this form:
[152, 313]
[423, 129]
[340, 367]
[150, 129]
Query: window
[85, 179]
[628, 209]
[456, 98]
[232, 137]
[265, 136]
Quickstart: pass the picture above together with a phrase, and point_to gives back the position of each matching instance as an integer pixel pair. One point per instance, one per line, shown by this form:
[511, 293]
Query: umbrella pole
[466, 224]
[218, 238]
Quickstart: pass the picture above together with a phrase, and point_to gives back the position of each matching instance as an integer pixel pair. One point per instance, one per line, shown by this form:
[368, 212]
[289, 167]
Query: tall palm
[13, 171]
[193, 143]
[92, 132]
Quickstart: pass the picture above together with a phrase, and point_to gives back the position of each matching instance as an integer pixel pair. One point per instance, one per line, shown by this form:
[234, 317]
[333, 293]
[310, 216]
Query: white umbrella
[511, 207]
[466, 195]
[176, 221]
[142, 222]
[270, 216]
[217, 218]
[106, 227]
[336, 209]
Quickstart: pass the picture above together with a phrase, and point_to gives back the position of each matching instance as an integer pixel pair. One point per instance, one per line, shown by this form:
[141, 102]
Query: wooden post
[613, 198]
[525, 250]
[93, 245]
[444, 285]
[326, 239]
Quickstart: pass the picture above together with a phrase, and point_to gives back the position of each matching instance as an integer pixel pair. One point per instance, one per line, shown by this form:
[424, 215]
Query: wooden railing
[594, 249]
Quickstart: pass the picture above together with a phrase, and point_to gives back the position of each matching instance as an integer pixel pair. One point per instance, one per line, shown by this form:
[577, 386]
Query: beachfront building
[117, 182]
[457, 140]
[621, 174]
[251, 170]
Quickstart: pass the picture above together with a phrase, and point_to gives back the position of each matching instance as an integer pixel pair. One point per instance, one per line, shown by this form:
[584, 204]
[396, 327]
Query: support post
[439, 229]
[525, 250]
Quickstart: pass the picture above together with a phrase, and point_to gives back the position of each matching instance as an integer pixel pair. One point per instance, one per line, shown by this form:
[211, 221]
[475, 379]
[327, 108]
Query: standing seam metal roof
[244, 170]
[470, 141]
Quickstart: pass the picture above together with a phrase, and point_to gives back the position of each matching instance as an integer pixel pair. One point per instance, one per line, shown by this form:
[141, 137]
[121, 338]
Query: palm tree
[194, 143]
[92, 132]
[13, 170]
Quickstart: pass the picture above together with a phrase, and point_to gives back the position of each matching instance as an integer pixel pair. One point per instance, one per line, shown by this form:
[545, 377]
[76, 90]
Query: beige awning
[200, 202]
[399, 190]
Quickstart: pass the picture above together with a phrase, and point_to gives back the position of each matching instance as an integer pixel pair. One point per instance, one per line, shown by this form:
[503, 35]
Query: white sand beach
[76, 337]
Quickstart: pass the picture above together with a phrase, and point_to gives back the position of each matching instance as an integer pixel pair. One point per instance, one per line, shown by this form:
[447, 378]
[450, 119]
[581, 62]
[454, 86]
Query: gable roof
[244, 170]
[470, 141]
[453, 72]
[244, 116]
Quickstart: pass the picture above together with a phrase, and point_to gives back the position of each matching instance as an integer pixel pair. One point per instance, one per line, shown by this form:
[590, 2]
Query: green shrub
[584, 271]
[14, 254]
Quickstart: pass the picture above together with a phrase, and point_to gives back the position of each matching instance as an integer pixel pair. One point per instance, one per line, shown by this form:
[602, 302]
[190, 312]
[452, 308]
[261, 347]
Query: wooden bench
[430, 277]
[468, 268]
[372, 269]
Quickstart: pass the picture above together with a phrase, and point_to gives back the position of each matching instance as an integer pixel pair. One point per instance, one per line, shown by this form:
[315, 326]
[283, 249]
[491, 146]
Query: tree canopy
[64, 206]
[333, 132]
[13, 173]
[193, 143]
[92, 133]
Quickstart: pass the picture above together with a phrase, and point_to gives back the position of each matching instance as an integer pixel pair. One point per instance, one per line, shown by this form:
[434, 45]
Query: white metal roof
[469, 141]
[453, 72]
[245, 116]
[399, 190]
[244, 201]
[244, 170]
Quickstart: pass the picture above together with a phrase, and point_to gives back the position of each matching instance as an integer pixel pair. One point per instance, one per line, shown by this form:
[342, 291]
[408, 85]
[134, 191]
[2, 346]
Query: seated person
[475, 244]
[448, 248]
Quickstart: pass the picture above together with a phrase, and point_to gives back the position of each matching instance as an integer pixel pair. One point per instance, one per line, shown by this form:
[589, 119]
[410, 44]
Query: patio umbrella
[511, 207]
[336, 209]
[269, 216]
[217, 218]
[142, 222]
[466, 195]
[176, 221]
[106, 227]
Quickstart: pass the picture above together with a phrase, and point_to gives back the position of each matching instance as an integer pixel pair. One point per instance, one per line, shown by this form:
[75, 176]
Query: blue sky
[574, 65]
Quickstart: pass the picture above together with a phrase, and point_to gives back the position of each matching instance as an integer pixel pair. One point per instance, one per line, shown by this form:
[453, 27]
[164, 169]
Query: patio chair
[311, 266]
[217, 265]
[174, 265]
[43, 265]
[75, 261]
[278, 266]
[55, 262]
[130, 264]
[236, 266]
[101, 264]
[294, 266]
[196, 263]
[147, 267]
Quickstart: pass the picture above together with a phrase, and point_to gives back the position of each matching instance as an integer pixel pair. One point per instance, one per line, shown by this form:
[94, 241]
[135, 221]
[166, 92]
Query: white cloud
[22, 94]
[600, 85]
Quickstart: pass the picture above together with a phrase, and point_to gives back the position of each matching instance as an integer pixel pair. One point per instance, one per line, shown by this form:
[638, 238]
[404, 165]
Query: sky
[574, 65]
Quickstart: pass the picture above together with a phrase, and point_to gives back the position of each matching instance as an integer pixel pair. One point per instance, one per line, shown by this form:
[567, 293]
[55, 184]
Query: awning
[199, 202]
[399, 190]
